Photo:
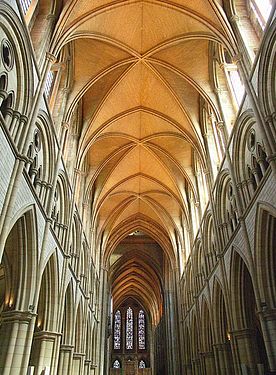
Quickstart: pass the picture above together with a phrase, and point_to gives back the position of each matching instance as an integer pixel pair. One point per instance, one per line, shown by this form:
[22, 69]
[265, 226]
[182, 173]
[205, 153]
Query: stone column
[14, 123]
[8, 117]
[196, 370]
[224, 358]
[209, 363]
[3, 96]
[65, 359]
[187, 369]
[87, 367]
[93, 368]
[19, 131]
[43, 351]
[16, 340]
[245, 341]
[268, 322]
[101, 355]
[78, 363]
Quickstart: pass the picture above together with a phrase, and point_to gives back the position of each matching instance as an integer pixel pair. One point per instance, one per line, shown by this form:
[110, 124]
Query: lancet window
[25, 4]
[116, 364]
[261, 10]
[117, 330]
[142, 364]
[129, 329]
[129, 336]
[141, 330]
[49, 83]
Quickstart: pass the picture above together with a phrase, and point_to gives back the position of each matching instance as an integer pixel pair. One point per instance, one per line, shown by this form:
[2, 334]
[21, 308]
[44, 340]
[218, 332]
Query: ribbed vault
[136, 271]
[141, 70]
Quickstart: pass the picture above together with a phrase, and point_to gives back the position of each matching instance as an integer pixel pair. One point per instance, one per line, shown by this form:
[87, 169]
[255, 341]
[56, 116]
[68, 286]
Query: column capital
[51, 17]
[220, 124]
[65, 125]
[47, 335]
[3, 94]
[66, 348]
[222, 346]
[242, 333]
[267, 313]
[14, 315]
[51, 57]
[234, 18]
[237, 58]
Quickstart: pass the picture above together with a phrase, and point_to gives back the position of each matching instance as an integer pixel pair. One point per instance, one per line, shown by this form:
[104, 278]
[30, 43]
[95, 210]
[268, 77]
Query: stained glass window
[117, 330]
[25, 4]
[141, 330]
[142, 364]
[116, 364]
[129, 328]
[49, 83]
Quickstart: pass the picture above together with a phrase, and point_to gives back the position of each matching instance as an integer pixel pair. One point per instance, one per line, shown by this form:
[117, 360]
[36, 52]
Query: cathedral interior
[137, 187]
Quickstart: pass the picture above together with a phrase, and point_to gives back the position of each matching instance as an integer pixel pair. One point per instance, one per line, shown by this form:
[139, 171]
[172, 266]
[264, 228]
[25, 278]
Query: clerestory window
[261, 10]
[234, 80]
[49, 84]
[25, 5]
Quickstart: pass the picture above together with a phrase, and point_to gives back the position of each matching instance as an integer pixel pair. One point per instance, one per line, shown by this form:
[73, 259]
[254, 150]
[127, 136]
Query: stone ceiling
[140, 69]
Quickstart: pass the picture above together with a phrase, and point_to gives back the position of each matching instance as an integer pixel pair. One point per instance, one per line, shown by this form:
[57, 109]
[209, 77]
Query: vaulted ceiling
[140, 69]
[136, 271]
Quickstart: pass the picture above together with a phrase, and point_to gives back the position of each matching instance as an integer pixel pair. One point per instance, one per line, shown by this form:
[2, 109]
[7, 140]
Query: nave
[137, 187]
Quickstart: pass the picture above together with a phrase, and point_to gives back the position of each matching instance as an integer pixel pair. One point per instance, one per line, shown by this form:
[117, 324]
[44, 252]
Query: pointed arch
[265, 254]
[20, 253]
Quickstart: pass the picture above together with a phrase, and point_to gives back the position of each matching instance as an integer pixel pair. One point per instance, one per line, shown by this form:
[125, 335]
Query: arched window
[116, 364]
[49, 84]
[233, 77]
[141, 330]
[30, 9]
[117, 330]
[25, 4]
[129, 329]
[142, 364]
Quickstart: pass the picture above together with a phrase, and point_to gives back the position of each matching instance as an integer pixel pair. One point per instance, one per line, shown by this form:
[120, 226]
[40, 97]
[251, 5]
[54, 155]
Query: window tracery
[49, 84]
[142, 364]
[129, 329]
[25, 4]
[116, 364]
[117, 330]
[141, 330]
[253, 163]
